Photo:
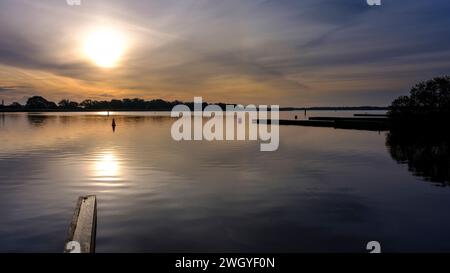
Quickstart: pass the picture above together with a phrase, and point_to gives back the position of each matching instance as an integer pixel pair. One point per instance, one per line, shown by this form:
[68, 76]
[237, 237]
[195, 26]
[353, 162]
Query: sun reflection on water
[103, 113]
[107, 167]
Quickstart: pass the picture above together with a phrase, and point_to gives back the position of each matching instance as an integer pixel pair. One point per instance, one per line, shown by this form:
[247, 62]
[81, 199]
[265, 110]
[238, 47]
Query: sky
[285, 52]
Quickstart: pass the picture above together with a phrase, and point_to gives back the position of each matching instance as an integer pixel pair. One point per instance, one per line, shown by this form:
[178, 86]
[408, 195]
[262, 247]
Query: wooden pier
[370, 115]
[352, 123]
[83, 228]
[359, 119]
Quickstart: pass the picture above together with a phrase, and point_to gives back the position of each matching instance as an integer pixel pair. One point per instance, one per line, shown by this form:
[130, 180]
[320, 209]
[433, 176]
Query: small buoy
[114, 123]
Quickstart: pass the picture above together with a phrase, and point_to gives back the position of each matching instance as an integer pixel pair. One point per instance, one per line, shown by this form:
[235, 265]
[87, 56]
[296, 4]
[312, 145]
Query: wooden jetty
[83, 228]
[370, 115]
[349, 118]
[369, 124]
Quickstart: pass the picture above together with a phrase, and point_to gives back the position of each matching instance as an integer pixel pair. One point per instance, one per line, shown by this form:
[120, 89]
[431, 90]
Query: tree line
[428, 101]
[427, 104]
[41, 104]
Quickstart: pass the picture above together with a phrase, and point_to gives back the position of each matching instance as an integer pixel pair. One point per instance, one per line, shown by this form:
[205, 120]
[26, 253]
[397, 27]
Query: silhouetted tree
[15, 105]
[116, 104]
[38, 102]
[87, 104]
[419, 134]
[428, 101]
[67, 104]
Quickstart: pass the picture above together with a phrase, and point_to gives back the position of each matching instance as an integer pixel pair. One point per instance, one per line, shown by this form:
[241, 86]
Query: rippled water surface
[324, 189]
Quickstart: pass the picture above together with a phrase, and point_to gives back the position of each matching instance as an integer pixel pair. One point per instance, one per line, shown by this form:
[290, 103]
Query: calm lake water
[324, 189]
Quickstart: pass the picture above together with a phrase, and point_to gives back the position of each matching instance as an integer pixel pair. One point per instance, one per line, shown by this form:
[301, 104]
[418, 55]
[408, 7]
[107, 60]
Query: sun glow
[107, 166]
[104, 47]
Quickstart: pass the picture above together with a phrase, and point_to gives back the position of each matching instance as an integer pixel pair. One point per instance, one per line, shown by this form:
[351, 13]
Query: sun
[104, 47]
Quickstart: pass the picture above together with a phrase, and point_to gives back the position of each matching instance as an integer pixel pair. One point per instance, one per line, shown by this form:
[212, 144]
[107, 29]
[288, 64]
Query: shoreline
[162, 110]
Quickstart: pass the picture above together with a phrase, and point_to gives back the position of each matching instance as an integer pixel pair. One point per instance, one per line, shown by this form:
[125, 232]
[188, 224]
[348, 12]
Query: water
[323, 190]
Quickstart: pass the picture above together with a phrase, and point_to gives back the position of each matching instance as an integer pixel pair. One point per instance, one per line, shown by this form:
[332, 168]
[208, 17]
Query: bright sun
[104, 47]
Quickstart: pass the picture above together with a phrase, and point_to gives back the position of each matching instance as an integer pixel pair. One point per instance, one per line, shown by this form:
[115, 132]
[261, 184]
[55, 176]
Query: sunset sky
[287, 52]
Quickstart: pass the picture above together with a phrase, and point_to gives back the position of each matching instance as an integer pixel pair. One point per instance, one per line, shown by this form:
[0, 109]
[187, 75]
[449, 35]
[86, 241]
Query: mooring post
[82, 229]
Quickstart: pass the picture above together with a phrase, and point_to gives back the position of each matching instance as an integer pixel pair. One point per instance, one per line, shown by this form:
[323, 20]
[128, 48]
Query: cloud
[289, 52]
[6, 88]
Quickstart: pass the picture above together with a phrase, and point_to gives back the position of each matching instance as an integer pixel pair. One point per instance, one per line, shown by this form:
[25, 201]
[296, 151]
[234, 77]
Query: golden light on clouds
[104, 47]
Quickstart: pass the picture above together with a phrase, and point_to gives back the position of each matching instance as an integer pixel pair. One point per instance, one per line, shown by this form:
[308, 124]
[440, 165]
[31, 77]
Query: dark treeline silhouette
[38, 103]
[419, 135]
[427, 105]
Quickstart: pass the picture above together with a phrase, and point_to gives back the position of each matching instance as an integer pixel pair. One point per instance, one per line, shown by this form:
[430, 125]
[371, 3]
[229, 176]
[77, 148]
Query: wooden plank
[370, 115]
[82, 229]
[367, 125]
[350, 118]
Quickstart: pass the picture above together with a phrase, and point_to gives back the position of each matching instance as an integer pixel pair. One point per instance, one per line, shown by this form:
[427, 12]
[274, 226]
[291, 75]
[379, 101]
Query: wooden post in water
[82, 230]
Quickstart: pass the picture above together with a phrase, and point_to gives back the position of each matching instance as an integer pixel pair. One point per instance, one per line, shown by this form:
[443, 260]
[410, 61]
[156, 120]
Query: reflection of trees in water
[427, 153]
[38, 120]
[139, 119]
[135, 120]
